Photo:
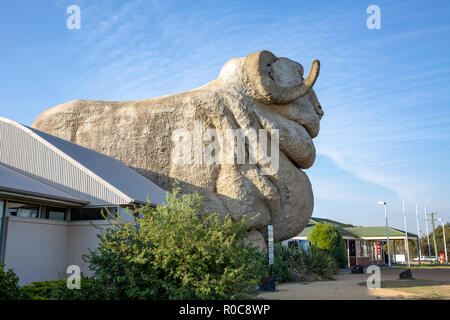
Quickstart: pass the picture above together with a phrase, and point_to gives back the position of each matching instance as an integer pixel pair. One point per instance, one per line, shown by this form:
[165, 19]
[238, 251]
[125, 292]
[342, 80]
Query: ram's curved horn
[267, 90]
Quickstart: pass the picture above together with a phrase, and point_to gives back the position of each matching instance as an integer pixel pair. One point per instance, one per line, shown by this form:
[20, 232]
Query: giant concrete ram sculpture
[260, 91]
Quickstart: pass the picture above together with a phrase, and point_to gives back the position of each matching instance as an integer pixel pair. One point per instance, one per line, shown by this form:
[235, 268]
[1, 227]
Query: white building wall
[39, 249]
[36, 249]
[81, 236]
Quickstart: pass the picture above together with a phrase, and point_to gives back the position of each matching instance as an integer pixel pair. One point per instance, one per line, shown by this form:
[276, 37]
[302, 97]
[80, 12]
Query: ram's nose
[319, 110]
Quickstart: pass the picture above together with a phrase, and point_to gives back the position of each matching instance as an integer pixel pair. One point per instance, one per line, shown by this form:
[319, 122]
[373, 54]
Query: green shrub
[284, 258]
[300, 264]
[316, 264]
[57, 290]
[44, 290]
[173, 252]
[327, 237]
[280, 270]
[9, 285]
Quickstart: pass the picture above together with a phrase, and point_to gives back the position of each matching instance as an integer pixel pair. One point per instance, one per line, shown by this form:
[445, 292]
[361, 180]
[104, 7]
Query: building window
[90, 213]
[53, 213]
[23, 210]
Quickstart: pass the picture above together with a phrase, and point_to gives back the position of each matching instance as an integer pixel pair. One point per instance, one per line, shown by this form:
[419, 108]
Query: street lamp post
[418, 234]
[387, 231]
[406, 234]
[445, 240]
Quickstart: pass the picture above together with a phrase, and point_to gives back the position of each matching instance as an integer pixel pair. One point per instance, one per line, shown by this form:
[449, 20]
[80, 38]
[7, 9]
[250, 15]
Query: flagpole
[406, 233]
[418, 234]
[428, 235]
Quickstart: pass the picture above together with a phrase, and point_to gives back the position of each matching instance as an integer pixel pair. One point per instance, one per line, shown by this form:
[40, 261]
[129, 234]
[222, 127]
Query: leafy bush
[316, 264]
[57, 290]
[302, 264]
[280, 270]
[9, 285]
[173, 252]
[45, 290]
[327, 237]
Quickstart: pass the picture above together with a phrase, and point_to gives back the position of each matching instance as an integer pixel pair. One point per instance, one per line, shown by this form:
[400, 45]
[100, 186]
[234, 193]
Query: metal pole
[406, 233]
[428, 234]
[445, 241]
[434, 234]
[418, 234]
[387, 231]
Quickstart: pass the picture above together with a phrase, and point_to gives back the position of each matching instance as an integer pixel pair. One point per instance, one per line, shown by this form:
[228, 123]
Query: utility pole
[406, 233]
[418, 234]
[445, 241]
[428, 234]
[434, 234]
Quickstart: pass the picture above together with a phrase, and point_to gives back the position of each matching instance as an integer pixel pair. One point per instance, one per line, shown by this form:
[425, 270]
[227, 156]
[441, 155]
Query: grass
[421, 289]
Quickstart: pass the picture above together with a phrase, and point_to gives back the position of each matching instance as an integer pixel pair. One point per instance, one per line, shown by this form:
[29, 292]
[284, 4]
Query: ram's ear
[257, 68]
[286, 72]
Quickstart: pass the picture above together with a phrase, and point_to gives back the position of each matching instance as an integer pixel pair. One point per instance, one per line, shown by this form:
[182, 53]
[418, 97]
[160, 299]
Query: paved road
[346, 287]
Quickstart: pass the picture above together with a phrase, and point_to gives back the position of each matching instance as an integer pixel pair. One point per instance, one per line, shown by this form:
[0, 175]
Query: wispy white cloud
[385, 93]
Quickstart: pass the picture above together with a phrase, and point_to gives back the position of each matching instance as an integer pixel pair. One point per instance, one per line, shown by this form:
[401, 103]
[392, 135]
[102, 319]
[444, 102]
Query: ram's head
[280, 98]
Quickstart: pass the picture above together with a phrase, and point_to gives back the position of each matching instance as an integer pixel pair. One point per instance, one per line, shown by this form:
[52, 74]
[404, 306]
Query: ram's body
[250, 93]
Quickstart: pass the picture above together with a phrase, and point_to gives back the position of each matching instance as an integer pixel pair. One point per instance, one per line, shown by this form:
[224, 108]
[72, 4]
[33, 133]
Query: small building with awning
[365, 245]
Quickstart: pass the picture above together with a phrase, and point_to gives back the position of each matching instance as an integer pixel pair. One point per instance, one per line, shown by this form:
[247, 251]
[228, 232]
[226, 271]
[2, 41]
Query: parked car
[427, 259]
[424, 258]
[297, 243]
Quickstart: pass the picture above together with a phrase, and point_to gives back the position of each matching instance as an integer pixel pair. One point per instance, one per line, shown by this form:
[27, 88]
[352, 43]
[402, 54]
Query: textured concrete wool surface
[259, 91]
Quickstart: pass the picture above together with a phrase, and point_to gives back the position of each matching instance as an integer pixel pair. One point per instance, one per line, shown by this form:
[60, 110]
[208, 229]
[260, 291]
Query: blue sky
[385, 93]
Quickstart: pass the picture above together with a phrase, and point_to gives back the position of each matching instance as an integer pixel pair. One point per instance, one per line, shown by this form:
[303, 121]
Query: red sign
[441, 258]
[379, 250]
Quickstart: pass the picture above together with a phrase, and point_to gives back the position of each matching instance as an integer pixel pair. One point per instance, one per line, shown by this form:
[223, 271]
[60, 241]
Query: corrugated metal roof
[362, 232]
[81, 172]
[355, 231]
[13, 181]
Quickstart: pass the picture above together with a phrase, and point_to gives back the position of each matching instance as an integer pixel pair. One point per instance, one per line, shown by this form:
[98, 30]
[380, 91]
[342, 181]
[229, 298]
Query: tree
[439, 241]
[9, 284]
[400, 247]
[173, 252]
[328, 237]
